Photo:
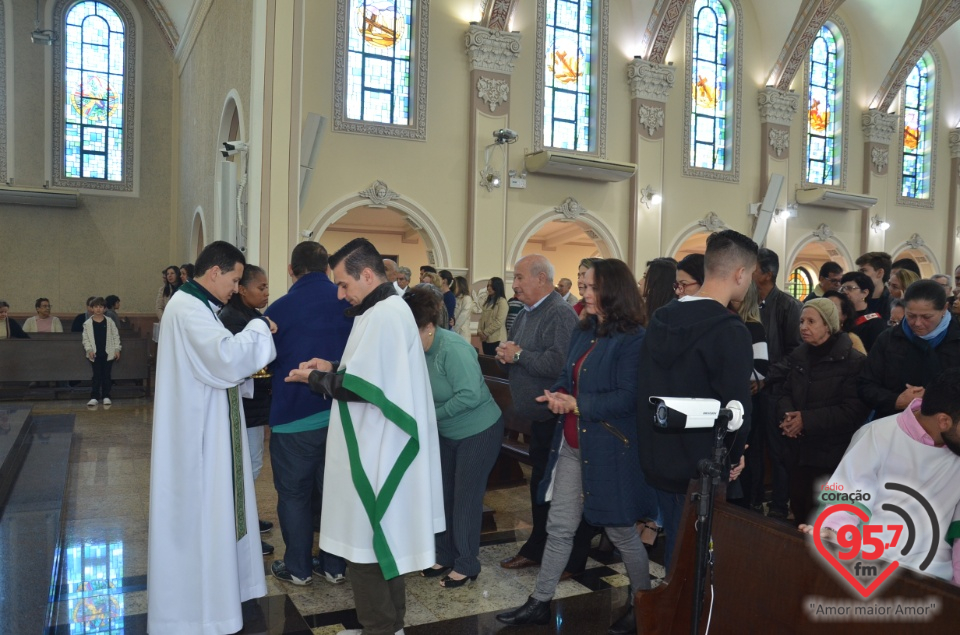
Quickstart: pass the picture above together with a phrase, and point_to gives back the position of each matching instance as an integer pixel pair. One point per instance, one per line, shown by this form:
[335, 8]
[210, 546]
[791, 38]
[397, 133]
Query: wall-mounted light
[878, 225]
[648, 197]
[490, 178]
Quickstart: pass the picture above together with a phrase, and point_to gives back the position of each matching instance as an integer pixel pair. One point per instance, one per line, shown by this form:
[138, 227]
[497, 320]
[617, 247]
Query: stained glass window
[823, 110]
[567, 77]
[917, 106]
[800, 283]
[94, 69]
[709, 86]
[378, 61]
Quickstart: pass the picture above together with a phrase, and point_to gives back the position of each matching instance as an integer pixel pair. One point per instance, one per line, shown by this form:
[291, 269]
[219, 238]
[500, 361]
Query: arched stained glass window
[378, 61]
[94, 41]
[567, 74]
[823, 110]
[917, 118]
[708, 134]
[381, 68]
[800, 283]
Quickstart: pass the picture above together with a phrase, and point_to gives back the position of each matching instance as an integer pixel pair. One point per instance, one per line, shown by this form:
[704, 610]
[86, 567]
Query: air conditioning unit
[38, 198]
[578, 166]
[822, 197]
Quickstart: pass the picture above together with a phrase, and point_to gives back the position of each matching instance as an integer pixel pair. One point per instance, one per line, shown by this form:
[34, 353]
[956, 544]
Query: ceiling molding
[806, 26]
[661, 29]
[198, 13]
[935, 17]
[167, 28]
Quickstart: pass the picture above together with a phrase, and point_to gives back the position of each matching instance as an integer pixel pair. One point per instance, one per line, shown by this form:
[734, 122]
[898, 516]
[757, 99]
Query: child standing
[101, 341]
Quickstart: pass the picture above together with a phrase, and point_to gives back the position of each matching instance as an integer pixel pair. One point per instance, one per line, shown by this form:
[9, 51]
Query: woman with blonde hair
[899, 281]
[464, 307]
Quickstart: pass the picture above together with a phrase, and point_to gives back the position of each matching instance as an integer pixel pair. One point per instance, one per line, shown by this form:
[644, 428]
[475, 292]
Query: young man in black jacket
[696, 347]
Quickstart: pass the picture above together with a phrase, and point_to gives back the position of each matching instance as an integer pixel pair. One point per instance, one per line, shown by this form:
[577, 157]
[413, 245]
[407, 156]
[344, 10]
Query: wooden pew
[766, 575]
[513, 451]
[59, 357]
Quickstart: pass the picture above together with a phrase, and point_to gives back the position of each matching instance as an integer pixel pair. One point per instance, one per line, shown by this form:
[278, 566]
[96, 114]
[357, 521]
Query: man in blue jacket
[314, 326]
[696, 347]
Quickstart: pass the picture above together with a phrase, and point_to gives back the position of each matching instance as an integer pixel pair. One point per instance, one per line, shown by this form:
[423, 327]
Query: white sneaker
[107, 402]
[92, 402]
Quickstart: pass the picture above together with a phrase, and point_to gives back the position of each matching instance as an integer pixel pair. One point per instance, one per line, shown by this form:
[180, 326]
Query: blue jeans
[298, 460]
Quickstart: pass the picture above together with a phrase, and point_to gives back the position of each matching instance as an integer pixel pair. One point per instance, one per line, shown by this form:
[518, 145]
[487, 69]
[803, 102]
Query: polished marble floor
[103, 582]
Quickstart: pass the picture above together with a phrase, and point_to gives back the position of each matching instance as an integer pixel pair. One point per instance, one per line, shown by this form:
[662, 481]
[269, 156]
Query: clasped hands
[559, 403]
[302, 374]
[792, 424]
[506, 351]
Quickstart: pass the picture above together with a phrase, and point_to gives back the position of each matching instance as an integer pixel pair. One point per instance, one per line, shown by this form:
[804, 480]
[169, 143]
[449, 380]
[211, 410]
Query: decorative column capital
[878, 127]
[649, 80]
[955, 143]
[777, 106]
[490, 50]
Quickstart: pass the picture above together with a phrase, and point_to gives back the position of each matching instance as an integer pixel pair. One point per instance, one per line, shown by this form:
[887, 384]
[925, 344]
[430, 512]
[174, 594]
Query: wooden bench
[59, 357]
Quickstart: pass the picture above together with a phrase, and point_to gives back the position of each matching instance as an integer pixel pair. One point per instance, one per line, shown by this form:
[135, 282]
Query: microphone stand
[711, 470]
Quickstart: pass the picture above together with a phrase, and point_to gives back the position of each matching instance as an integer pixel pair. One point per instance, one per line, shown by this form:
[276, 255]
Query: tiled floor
[103, 581]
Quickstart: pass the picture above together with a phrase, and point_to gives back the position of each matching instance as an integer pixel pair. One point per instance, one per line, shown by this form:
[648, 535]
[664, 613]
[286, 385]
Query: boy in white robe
[382, 493]
[204, 541]
[920, 449]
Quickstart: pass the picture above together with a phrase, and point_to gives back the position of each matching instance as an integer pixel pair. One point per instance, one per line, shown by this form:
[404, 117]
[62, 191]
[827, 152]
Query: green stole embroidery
[236, 441]
[374, 505]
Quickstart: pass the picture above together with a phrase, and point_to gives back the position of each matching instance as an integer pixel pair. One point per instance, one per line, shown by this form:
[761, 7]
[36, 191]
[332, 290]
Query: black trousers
[101, 382]
[540, 440]
[381, 604]
[489, 348]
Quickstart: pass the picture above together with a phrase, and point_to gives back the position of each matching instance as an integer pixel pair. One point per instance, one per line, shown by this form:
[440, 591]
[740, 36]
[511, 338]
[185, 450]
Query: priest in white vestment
[382, 493]
[204, 542]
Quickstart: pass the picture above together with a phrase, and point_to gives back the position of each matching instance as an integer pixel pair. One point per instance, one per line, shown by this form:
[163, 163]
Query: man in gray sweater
[533, 356]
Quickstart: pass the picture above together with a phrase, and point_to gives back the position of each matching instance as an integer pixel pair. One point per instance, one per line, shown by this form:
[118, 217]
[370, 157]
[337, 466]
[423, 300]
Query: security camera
[675, 413]
[306, 233]
[505, 135]
[231, 148]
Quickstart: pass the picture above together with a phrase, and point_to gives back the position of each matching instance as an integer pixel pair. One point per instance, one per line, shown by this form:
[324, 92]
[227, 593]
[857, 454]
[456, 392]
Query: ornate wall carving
[663, 23]
[570, 209]
[879, 158]
[777, 106]
[651, 118]
[490, 50]
[651, 81]
[779, 140]
[823, 232]
[379, 194]
[878, 127]
[492, 92]
[712, 223]
[795, 52]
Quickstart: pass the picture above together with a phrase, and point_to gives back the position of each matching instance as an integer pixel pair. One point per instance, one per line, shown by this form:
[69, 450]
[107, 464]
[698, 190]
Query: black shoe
[449, 583]
[626, 625]
[265, 526]
[430, 572]
[267, 548]
[533, 612]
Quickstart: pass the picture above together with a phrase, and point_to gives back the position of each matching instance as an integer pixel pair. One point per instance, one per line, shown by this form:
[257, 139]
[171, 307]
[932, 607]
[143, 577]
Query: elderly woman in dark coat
[906, 357]
[594, 470]
[815, 390]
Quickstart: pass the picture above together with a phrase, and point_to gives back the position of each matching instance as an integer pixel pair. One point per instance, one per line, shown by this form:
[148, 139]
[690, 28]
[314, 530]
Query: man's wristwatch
[516, 357]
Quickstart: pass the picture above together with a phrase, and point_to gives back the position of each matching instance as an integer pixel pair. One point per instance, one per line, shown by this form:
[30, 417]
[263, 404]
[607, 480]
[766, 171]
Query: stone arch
[822, 235]
[916, 248]
[438, 249]
[592, 225]
[198, 233]
[709, 224]
[232, 128]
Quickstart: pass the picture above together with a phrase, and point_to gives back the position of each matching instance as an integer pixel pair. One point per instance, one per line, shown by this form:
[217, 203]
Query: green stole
[236, 441]
[376, 505]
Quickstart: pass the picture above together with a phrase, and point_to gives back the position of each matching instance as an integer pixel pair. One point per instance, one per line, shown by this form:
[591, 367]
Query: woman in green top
[471, 429]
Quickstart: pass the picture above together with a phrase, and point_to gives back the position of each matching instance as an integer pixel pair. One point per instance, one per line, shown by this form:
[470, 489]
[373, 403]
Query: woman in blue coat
[594, 469]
